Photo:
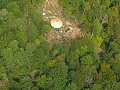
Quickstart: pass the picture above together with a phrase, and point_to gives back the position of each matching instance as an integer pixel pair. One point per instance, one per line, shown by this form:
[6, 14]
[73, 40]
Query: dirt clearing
[51, 9]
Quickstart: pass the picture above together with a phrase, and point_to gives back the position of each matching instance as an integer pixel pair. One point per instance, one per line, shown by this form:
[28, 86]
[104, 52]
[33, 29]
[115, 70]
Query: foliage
[29, 62]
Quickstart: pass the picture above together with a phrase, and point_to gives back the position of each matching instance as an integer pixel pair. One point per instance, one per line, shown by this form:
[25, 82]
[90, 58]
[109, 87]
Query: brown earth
[52, 9]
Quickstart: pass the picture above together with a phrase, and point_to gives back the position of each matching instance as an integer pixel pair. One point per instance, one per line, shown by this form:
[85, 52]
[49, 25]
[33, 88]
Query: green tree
[97, 27]
[32, 32]
[59, 75]
[86, 60]
[115, 64]
[107, 73]
[4, 82]
[13, 45]
[14, 8]
[71, 86]
[97, 87]
[37, 20]
[105, 2]
[79, 80]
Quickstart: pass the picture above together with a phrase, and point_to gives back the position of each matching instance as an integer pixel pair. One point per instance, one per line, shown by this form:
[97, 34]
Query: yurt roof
[56, 23]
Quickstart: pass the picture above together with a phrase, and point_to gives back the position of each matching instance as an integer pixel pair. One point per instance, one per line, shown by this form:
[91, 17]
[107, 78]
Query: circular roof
[56, 23]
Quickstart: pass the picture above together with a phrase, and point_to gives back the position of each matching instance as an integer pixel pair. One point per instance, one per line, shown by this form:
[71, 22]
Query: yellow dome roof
[56, 23]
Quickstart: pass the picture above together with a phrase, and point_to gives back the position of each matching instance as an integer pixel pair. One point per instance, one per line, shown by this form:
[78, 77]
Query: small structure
[67, 30]
[56, 23]
[43, 13]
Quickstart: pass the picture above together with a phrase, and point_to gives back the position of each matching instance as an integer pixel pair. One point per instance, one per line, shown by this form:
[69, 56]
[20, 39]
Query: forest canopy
[29, 62]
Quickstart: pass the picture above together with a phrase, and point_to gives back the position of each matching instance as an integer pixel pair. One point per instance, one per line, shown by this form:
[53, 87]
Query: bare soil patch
[52, 9]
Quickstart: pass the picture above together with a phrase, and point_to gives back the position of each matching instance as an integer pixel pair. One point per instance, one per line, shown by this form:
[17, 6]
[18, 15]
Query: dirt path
[52, 9]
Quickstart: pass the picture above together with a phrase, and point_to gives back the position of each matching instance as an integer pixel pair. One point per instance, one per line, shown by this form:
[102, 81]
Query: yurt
[56, 23]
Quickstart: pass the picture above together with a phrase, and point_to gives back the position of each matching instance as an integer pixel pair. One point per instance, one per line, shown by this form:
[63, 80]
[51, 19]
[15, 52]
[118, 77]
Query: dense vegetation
[27, 62]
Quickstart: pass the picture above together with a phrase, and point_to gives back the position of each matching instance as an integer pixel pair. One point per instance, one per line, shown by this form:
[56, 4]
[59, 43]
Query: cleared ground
[52, 9]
